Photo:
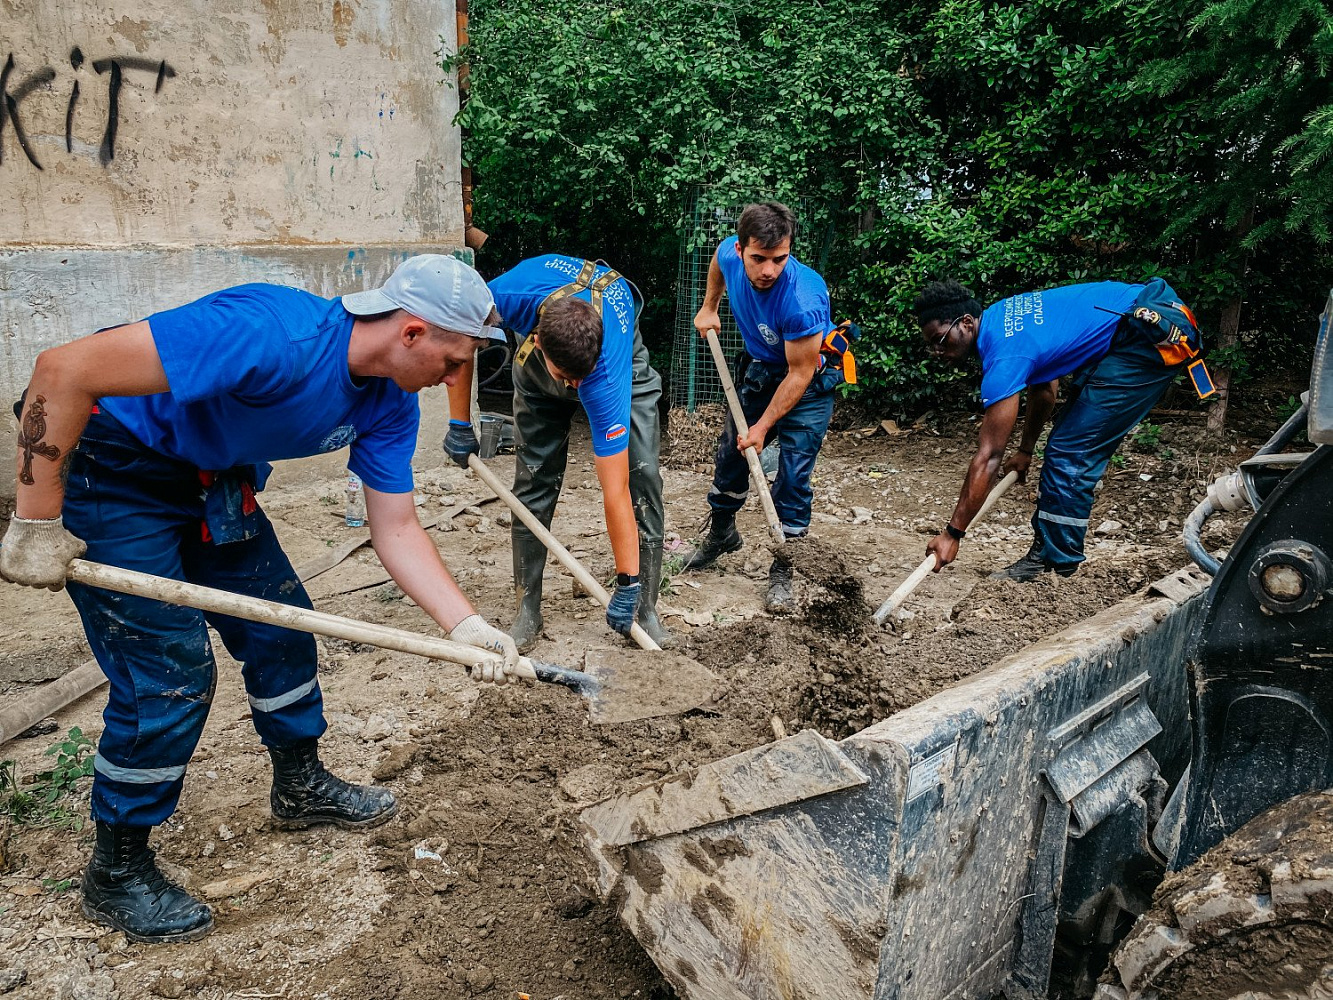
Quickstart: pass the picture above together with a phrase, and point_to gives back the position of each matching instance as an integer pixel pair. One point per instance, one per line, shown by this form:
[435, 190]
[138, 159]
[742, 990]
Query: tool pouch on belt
[596, 286]
[231, 513]
[1171, 327]
[835, 351]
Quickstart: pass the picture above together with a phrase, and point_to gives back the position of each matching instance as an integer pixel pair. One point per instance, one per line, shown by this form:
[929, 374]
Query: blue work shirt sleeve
[1004, 378]
[606, 400]
[210, 348]
[382, 455]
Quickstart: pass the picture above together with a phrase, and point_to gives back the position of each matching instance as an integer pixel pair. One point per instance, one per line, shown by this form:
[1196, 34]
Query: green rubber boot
[650, 583]
[529, 564]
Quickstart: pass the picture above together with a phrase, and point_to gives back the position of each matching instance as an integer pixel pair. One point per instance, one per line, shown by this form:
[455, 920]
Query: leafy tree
[1012, 145]
[1254, 76]
[589, 122]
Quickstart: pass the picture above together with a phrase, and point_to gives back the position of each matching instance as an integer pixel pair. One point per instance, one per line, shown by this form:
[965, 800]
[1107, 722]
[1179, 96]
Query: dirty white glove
[37, 553]
[473, 631]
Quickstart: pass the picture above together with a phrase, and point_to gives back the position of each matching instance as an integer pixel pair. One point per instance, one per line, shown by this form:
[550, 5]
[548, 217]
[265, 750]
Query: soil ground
[478, 887]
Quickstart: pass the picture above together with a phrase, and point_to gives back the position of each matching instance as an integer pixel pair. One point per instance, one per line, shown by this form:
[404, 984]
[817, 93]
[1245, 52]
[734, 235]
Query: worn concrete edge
[985, 693]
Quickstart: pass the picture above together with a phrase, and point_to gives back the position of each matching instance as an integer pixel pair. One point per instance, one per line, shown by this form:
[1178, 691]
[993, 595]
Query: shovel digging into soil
[928, 564]
[566, 558]
[615, 689]
[816, 563]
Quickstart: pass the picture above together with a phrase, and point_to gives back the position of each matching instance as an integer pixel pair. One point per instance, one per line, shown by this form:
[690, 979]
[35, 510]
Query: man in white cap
[144, 446]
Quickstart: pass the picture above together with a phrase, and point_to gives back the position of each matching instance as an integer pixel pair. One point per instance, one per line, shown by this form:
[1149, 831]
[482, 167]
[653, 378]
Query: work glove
[460, 442]
[473, 631]
[37, 553]
[623, 607]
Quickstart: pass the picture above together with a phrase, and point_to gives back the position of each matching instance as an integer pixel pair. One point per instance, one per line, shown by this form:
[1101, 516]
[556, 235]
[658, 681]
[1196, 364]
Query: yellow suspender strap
[577, 285]
[524, 350]
[584, 280]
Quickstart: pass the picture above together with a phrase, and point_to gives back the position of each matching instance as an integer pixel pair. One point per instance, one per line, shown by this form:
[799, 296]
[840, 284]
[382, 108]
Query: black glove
[461, 442]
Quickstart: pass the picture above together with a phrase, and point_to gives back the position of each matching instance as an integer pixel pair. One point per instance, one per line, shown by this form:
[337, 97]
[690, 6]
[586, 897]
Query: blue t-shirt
[605, 393]
[796, 306]
[259, 373]
[1038, 337]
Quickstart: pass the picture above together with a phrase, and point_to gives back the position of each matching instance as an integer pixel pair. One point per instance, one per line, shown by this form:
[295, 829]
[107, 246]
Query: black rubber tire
[1251, 920]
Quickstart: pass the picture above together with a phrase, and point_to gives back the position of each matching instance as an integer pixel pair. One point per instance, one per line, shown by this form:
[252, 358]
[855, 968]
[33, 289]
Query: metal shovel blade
[631, 684]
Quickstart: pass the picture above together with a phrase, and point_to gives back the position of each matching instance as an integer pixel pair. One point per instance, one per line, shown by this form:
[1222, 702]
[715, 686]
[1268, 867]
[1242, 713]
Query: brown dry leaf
[26, 890]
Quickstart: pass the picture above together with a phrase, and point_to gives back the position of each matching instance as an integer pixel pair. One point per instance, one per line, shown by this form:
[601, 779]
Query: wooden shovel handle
[751, 455]
[928, 564]
[566, 558]
[255, 609]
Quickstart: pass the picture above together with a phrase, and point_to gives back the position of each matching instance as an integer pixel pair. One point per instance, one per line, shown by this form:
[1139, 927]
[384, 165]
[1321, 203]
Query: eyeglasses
[937, 345]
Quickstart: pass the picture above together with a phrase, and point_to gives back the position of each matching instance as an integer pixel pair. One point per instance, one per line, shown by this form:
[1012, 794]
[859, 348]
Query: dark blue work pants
[141, 511]
[1107, 399]
[800, 433]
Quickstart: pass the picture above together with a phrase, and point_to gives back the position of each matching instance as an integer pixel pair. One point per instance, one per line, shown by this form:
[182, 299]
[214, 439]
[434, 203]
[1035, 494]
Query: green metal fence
[709, 218]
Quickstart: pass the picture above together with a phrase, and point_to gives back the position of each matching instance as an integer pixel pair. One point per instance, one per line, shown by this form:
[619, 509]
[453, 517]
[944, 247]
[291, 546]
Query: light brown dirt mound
[489, 779]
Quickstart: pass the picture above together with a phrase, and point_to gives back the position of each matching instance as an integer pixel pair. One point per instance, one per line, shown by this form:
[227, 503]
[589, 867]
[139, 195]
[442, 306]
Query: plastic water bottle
[356, 501]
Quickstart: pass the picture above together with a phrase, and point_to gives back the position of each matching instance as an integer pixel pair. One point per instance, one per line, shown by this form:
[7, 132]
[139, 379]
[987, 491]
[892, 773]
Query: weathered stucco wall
[152, 152]
[207, 121]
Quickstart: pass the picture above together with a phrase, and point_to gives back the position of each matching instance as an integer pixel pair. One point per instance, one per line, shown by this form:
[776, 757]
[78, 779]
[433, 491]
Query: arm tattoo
[30, 439]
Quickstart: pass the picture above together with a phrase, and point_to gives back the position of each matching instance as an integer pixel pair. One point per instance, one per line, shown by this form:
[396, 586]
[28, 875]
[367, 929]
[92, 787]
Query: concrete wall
[163, 149]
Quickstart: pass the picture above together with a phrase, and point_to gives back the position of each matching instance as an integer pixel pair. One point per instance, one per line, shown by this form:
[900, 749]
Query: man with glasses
[1121, 345]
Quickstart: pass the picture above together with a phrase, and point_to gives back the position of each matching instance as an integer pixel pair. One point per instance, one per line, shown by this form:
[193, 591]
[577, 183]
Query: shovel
[614, 691]
[693, 683]
[566, 558]
[928, 564]
[743, 428]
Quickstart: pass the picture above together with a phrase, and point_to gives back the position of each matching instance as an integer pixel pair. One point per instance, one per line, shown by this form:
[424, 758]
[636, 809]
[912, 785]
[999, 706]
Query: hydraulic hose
[1233, 491]
[484, 385]
[1193, 544]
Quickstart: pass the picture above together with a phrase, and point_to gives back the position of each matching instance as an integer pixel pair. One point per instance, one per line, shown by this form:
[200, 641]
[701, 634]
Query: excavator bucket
[922, 857]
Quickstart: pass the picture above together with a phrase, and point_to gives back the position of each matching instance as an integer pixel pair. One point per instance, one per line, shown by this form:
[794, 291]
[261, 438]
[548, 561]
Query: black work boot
[722, 538]
[1031, 566]
[650, 584]
[781, 598]
[305, 793]
[123, 888]
[529, 565]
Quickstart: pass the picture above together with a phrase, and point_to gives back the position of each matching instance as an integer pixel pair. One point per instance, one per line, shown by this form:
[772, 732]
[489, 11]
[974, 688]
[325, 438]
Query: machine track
[1251, 920]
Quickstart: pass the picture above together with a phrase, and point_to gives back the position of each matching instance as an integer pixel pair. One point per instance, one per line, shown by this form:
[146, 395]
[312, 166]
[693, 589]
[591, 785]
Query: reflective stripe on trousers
[142, 511]
[1107, 401]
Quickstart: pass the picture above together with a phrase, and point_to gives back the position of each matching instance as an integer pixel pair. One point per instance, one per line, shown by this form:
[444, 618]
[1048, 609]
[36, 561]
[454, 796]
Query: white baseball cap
[440, 289]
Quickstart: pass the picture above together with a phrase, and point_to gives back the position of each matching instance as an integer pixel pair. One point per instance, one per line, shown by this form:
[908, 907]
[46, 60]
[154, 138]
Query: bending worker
[1121, 345]
[578, 323]
[785, 379]
[144, 445]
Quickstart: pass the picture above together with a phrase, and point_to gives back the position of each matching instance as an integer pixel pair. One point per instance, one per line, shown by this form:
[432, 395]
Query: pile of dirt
[480, 888]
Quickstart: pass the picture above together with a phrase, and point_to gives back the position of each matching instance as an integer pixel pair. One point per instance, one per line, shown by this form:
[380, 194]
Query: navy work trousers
[141, 511]
[1107, 399]
[800, 433]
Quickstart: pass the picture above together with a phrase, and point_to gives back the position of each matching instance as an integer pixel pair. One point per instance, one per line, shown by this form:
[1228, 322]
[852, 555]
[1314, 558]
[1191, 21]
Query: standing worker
[144, 446]
[578, 321]
[791, 363]
[1121, 344]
